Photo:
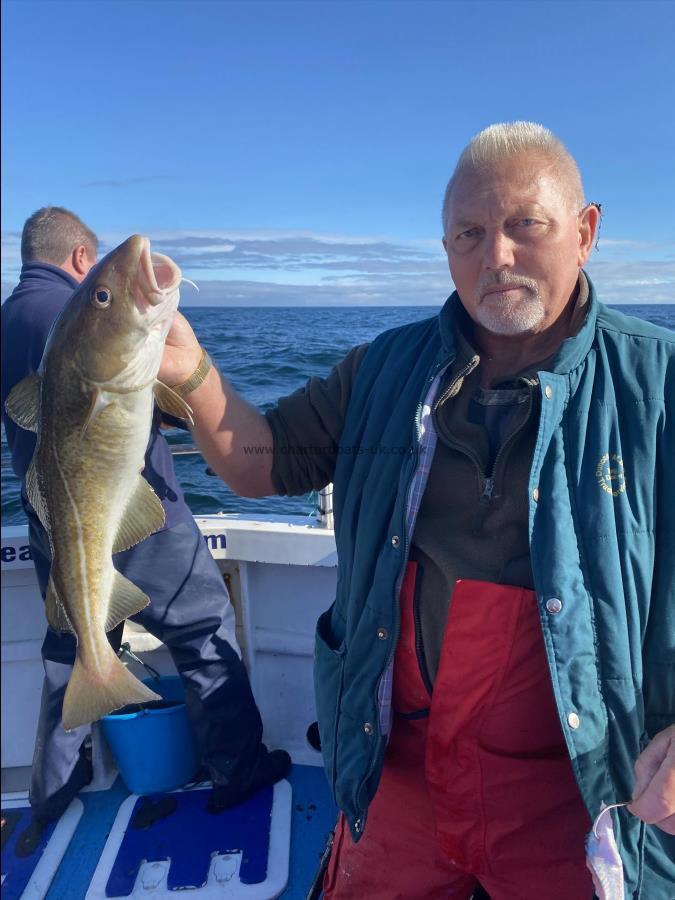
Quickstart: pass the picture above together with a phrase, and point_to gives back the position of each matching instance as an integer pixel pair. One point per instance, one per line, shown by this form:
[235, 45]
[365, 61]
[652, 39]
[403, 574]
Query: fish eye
[101, 297]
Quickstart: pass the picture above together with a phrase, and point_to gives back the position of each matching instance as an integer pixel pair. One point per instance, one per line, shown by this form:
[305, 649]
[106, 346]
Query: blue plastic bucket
[155, 749]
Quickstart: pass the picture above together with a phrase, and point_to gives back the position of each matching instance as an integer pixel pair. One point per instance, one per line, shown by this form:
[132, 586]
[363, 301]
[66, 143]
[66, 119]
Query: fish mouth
[157, 278]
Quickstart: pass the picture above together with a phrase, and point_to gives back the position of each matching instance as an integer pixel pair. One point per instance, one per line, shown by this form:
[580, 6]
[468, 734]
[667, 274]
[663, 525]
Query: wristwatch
[196, 378]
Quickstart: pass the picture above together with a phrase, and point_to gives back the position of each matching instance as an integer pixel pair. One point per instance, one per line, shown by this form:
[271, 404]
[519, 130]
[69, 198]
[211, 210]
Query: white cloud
[634, 281]
[10, 252]
[266, 267]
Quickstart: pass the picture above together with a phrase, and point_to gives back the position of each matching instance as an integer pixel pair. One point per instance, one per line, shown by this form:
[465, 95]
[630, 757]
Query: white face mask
[603, 858]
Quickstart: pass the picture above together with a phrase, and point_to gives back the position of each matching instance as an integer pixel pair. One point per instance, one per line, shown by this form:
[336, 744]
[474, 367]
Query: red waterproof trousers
[481, 788]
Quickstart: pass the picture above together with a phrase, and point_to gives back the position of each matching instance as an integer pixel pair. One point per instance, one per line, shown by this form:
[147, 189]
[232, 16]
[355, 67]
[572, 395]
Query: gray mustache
[506, 279]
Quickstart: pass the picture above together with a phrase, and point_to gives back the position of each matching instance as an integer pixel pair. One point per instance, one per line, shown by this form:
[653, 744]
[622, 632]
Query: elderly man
[190, 609]
[500, 651]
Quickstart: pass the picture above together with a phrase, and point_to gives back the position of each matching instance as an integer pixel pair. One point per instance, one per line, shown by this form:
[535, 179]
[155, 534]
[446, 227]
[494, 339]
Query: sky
[297, 152]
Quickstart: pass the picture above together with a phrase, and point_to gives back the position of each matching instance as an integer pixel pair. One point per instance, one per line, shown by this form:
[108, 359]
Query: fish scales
[89, 490]
[91, 405]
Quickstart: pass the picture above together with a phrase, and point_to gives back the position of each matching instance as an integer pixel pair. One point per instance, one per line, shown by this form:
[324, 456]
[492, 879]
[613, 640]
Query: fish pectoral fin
[23, 403]
[90, 696]
[143, 516]
[172, 403]
[35, 496]
[125, 600]
[99, 401]
[54, 610]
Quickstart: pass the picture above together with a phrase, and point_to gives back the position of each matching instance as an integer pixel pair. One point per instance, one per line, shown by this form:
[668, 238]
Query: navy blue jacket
[27, 317]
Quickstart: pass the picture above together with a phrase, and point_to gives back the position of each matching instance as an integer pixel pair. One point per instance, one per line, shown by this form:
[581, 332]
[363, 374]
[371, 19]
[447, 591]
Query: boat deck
[313, 815]
[281, 573]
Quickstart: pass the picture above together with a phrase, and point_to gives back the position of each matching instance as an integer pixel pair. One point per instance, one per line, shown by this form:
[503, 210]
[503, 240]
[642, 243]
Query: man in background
[189, 610]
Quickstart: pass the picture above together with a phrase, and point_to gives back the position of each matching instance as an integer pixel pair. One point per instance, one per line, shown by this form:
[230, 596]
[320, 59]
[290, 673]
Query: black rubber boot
[271, 767]
[53, 807]
[28, 840]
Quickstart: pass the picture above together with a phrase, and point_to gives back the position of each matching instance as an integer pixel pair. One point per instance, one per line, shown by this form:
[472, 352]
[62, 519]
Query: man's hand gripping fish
[91, 404]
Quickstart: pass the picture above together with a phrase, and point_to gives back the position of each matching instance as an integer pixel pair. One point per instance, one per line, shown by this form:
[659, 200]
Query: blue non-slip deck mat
[179, 827]
[313, 815]
[20, 853]
[171, 842]
[31, 855]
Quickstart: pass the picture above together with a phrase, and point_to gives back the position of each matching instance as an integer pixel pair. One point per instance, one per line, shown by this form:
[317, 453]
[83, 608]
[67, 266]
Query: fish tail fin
[90, 695]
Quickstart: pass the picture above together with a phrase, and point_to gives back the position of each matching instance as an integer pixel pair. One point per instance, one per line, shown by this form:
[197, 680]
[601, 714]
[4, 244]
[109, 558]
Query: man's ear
[589, 222]
[80, 260]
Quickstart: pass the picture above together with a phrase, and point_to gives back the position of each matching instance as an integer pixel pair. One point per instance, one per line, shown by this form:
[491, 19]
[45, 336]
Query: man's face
[514, 245]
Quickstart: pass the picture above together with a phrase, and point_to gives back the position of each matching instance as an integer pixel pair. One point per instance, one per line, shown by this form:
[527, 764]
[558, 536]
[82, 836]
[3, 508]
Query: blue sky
[297, 152]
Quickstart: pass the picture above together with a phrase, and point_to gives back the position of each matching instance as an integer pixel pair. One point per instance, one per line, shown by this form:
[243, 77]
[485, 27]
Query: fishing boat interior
[127, 836]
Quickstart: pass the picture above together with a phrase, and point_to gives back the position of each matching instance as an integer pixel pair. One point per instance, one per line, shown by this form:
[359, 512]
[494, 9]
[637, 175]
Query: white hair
[505, 140]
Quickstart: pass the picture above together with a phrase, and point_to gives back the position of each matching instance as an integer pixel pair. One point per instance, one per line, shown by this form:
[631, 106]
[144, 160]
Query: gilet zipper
[359, 823]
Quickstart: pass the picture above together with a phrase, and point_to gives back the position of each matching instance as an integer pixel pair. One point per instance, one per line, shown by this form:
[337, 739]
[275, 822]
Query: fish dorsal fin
[125, 600]
[99, 401]
[143, 516]
[172, 403]
[34, 495]
[54, 610]
[23, 401]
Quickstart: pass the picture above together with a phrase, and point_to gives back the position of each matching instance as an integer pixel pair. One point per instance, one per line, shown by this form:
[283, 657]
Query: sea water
[267, 353]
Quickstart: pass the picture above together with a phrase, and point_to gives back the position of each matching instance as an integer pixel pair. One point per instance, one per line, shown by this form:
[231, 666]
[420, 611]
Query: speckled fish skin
[92, 411]
[604, 861]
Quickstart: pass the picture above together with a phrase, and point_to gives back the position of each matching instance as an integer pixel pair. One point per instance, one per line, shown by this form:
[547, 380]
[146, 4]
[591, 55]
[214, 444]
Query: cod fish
[91, 405]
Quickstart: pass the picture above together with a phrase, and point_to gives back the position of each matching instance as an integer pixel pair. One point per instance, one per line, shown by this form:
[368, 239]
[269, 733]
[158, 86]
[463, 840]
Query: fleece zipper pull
[488, 487]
